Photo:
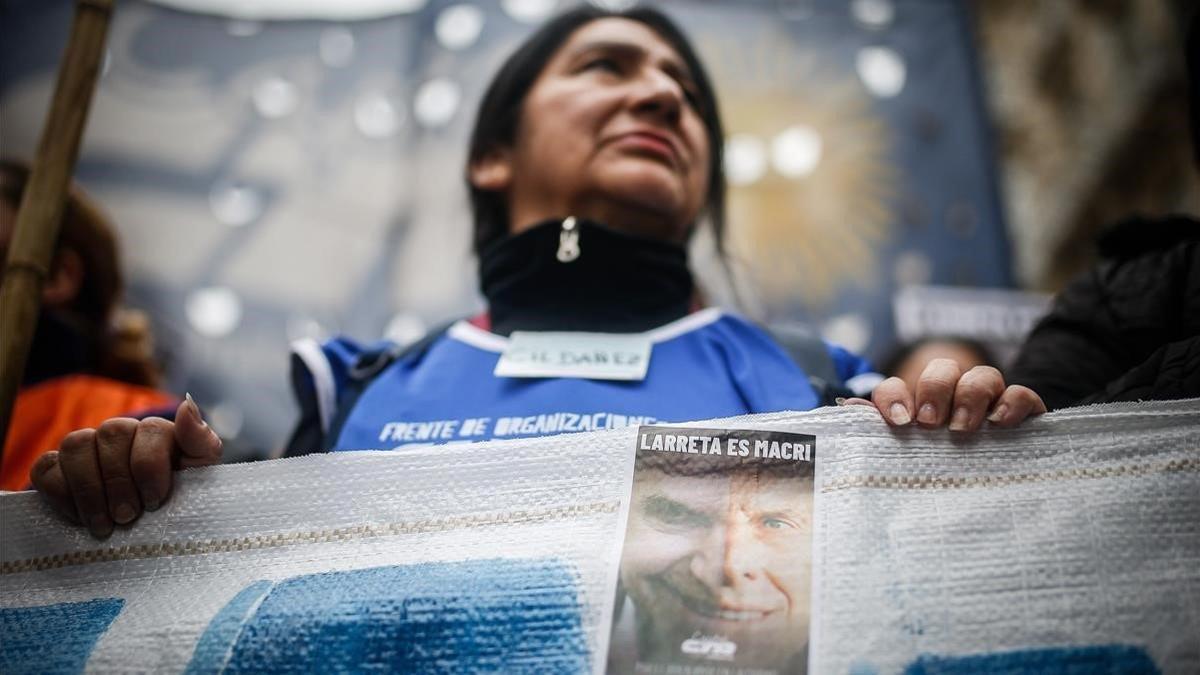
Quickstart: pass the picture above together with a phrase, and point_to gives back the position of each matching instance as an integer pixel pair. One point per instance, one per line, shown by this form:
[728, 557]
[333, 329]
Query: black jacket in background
[1127, 330]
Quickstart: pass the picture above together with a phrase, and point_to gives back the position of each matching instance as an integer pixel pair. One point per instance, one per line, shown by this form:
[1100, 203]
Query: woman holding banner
[596, 153]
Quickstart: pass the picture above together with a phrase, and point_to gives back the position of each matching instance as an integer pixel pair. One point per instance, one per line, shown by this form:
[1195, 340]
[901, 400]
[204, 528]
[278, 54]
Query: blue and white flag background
[1071, 544]
[284, 179]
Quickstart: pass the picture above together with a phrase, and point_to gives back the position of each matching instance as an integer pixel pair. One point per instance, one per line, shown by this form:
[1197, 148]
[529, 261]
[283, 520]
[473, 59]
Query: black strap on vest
[812, 355]
[364, 371]
[308, 436]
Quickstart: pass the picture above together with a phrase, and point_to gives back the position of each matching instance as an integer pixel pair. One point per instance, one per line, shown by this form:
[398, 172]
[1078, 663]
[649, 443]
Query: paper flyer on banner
[715, 571]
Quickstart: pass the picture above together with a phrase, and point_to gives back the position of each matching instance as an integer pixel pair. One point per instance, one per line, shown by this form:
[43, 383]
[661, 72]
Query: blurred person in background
[596, 153]
[90, 359]
[907, 361]
[1128, 329]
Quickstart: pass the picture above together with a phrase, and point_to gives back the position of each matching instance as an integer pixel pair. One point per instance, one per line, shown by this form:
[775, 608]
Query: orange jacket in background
[49, 410]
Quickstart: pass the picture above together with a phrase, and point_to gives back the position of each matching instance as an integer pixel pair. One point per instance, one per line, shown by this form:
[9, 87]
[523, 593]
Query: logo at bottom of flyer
[712, 647]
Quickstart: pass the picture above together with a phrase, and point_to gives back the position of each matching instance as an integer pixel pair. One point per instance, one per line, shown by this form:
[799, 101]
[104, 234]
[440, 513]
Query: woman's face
[609, 131]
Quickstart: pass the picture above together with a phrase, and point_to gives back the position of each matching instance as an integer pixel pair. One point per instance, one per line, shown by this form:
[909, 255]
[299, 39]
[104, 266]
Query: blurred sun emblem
[811, 189]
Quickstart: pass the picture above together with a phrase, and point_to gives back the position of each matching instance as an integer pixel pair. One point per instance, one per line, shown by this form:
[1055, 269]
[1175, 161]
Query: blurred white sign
[985, 314]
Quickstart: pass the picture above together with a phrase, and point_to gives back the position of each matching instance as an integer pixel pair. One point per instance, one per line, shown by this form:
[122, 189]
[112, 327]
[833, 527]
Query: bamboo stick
[36, 231]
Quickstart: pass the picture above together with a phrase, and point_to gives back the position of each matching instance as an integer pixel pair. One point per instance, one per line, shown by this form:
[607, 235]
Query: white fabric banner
[1073, 541]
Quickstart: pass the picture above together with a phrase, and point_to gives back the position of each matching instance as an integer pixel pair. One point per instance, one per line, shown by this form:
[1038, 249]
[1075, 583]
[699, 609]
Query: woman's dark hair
[123, 343]
[500, 111]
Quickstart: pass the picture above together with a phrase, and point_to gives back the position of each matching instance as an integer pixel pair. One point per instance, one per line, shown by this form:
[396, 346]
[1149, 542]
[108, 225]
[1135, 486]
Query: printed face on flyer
[716, 567]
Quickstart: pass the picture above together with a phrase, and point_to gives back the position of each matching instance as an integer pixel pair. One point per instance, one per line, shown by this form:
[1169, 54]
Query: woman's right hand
[108, 475]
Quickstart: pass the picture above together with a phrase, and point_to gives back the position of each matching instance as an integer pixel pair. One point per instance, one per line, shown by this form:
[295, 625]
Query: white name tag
[593, 356]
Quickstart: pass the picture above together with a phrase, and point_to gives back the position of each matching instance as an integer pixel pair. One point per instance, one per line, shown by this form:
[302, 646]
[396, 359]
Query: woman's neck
[618, 282]
[62, 345]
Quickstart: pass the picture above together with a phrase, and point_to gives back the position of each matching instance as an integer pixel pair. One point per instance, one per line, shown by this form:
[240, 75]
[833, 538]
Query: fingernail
[195, 408]
[999, 413]
[151, 504]
[958, 421]
[100, 527]
[927, 414]
[841, 400]
[899, 414]
[124, 514]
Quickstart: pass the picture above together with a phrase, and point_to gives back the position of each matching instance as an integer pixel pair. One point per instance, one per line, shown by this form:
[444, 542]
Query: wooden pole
[36, 233]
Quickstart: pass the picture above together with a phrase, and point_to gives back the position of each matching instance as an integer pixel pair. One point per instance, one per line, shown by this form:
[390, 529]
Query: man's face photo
[720, 555]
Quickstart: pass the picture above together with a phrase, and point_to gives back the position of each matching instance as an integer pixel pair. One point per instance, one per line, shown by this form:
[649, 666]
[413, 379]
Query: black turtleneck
[619, 283]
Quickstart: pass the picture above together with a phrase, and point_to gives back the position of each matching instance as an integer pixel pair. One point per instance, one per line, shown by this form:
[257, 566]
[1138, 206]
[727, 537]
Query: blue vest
[706, 365]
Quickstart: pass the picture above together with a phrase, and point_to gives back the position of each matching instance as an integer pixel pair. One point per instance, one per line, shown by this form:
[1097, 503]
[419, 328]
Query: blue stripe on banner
[485, 615]
[1113, 659]
[53, 638]
[216, 644]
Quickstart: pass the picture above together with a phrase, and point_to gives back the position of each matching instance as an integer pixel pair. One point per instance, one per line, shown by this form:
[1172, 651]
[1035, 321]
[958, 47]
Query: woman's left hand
[945, 394]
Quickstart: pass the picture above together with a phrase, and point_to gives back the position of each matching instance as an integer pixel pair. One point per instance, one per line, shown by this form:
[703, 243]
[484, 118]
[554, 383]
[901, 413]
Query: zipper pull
[568, 241]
